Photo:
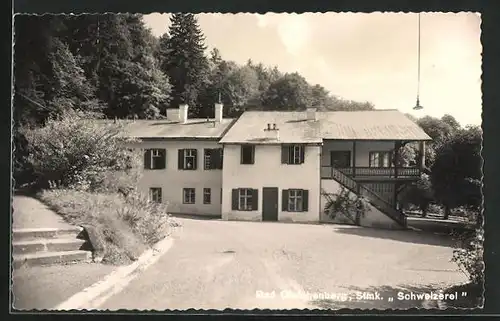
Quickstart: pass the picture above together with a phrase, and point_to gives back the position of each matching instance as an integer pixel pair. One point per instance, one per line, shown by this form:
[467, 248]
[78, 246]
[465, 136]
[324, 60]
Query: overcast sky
[365, 57]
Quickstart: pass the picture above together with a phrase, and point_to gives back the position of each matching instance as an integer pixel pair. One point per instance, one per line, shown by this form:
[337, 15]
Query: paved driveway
[218, 265]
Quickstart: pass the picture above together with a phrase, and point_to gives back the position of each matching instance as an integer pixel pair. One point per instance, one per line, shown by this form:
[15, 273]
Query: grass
[120, 227]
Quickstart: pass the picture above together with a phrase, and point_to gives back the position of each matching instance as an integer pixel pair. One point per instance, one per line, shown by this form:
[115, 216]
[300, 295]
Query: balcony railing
[389, 172]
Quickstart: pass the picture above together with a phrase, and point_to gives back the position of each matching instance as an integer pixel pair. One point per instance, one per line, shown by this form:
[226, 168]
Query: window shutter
[253, 154]
[241, 154]
[302, 153]
[221, 157]
[180, 157]
[147, 159]
[305, 200]
[255, 199]
[234, 199]
[163, 153]
[284, 154]
[284, 200]
[215, 158]
[195, 154]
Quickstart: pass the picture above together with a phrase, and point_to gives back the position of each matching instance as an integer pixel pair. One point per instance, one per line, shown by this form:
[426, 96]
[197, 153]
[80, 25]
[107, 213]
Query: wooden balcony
[376, 173]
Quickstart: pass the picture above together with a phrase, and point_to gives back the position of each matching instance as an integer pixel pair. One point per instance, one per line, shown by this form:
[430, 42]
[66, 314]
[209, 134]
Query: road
[239, 265]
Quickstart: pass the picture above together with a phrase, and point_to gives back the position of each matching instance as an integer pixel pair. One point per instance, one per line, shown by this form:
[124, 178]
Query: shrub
[350, 205]
[77, 152]
[469, 255]
[126, 225]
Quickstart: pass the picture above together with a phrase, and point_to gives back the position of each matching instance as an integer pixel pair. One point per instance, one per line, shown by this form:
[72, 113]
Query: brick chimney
[219, 108]
[183, 113]
[311, 113]
[272, 132]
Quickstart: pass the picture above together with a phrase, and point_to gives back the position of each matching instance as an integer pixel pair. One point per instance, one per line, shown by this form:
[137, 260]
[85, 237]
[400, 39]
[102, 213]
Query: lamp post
[417, 105]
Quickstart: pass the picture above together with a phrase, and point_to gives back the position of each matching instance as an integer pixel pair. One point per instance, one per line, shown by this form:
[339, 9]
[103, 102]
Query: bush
[469, 255]
[74, 151]
[126, 225]
[350, 205]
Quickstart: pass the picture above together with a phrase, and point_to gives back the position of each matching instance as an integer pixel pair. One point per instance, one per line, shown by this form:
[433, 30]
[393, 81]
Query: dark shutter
[147, 159]
[234, 199]
[180, 157]
[163, 162]
[214, 158]
[284, 154]
[284, 200]
[221, 158]
[241, 153]
[255, 199]
[302, 153]
[252, 151]
[305, 200]
[195, 163]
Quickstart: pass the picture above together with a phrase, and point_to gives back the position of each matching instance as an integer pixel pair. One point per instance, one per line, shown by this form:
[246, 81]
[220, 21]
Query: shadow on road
[382, 298]
[197, 217]
[409, 236]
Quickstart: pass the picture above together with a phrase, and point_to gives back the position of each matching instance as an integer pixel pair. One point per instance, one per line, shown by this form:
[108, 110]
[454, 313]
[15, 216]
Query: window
[247, 154]
[207, 196]
[155, 194]
[245, 199]
[292, 154]
[188, 159]
[295, 200]
[189, 196]
[340, 159]
[155, 158]
[213, 158]
[380, 159]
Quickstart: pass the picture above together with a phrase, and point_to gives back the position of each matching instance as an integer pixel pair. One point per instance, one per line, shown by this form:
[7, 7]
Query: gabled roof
[167, 129]
[342, 125]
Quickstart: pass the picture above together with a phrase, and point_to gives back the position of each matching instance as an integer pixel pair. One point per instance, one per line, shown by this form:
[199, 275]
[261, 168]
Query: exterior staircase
[375, 200]
[43, 246]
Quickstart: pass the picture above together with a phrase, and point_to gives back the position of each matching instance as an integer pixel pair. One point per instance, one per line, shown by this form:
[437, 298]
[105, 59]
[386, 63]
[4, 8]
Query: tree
[451, 121]
[186, 64]
[456, 172]
[419, 193]
[290, 92]
[241, 86]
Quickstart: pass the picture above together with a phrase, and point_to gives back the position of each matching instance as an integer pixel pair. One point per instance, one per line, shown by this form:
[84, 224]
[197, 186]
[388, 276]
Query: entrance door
[270, 204]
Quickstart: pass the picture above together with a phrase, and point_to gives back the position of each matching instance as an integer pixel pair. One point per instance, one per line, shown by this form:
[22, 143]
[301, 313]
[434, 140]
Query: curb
[95, 295]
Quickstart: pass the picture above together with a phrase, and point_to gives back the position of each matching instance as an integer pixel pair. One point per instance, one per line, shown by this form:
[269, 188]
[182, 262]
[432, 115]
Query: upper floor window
[213, 158]
[247, 154]
[295, 200]
[292, 154]
[340, 159]
[245, 199]
[188, 159]
[380, 159]
[155, 194]
[155, 158]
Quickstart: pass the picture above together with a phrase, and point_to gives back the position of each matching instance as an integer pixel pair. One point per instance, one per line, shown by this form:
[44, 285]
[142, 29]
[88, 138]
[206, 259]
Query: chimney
[311, 113]
[218, 112]
[183, 113]
[172, 114]
[272, 133]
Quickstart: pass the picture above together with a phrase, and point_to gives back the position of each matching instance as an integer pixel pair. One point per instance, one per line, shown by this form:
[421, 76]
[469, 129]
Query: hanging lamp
[417, 105]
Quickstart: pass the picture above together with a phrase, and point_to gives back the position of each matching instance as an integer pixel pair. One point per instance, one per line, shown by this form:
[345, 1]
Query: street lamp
[417, 105]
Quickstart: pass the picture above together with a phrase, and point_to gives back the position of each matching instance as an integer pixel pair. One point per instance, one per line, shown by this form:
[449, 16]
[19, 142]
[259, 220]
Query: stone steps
[44, 246]
[46, 258]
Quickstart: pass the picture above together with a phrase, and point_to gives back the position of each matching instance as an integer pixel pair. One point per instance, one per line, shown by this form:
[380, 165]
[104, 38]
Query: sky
[362, 56]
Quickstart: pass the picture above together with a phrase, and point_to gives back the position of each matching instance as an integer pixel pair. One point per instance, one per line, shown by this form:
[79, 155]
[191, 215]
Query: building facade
[279, 166]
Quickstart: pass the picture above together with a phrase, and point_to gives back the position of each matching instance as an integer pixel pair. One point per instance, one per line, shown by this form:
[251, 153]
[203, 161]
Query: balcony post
[421, 146]
[353, 158]
[396, 158]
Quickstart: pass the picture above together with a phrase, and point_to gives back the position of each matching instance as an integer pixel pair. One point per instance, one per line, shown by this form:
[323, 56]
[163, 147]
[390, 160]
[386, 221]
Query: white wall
[373, 217]
[363, 149]
[267, 171]
[172, 180]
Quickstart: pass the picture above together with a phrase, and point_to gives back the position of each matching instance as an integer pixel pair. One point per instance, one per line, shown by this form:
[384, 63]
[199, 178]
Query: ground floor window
[295, 200]
[155, 194]
[207, 196]
[189, 196]
[244, 199]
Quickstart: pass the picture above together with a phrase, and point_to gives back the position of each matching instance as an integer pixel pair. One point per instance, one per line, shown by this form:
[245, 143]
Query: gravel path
[247, 265]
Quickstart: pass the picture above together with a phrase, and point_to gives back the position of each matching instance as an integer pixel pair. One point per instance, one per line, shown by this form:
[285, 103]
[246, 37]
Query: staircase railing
[376, 200]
